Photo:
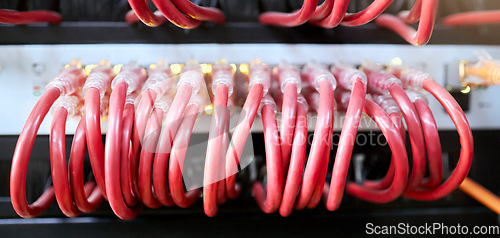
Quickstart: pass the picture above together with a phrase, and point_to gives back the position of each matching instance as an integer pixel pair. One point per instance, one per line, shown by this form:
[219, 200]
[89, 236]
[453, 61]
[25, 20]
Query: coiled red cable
[323, 10]
[167, 135]
[413, 15]
[177, 157]
[181, 13]
[425, 27]
[148, 152]
[399, 153]
[68, 80]
[198, 12]
[466, 142]
[290, 19]
[336, 16]
[297, 161]
[269, 199]
[85, 201]
[432, 144]
[416, 135]
[21, 158]
[215, 151]
[239, 138]
[165, 143]
[112, 154]
[94, 137]
[58, 163]
[320, 148]
[386, 181]
[129, 195]
[367, 15]
[346, 144]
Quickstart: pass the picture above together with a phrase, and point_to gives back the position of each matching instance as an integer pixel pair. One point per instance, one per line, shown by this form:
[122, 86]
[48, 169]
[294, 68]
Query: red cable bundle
[181, 13]
[68, 81]
[146, 150]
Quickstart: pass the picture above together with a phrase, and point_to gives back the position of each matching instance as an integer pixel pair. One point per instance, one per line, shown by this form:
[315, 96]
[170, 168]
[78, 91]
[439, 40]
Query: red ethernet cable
[222, 88]
[260, 81]
[432, 142]
[96, 86]
[420, 80]
[355, 81]
[167, 8]
[178, 154]
[323, 10]
[297, 160]
[221, 187]
[296, 18]
[158, 19]
[290, 86]
[198, 12]
[160, 80]
[367, 15]
[472, 18]
[382, 83]
[148, 152]
[63, 107]
[426, 25]
[130, 79]
[126, 160]
[389, 105]
[335, 17]
[398, 148]
[174, 15]
[413, 15]
[141, 10]
[87, 197]
[190, 81]
[67, 82]
[18, 18]
[269, 200]
[315, 173]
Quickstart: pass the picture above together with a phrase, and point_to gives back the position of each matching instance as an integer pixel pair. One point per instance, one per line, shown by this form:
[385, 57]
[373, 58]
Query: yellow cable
[481, 194]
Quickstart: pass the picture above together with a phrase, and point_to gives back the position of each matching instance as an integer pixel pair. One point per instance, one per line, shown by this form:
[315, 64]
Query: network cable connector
[485, 72]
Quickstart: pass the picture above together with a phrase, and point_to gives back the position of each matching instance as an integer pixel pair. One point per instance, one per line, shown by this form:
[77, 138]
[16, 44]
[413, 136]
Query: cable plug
[260, 74]
[379, 81]
[131, 98]
[70, 78]
[315, 73]
[100, 79]
[267, 100]
[164, 103]
[160, 80]
[199, 101]
[222, 73]
[288, 74]
[70, 103]
[387, 103]
[347, 75]
[193, 75]
[483, 73]
[133, 75]
[411, 78]
[415, 95]
[302, 100]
